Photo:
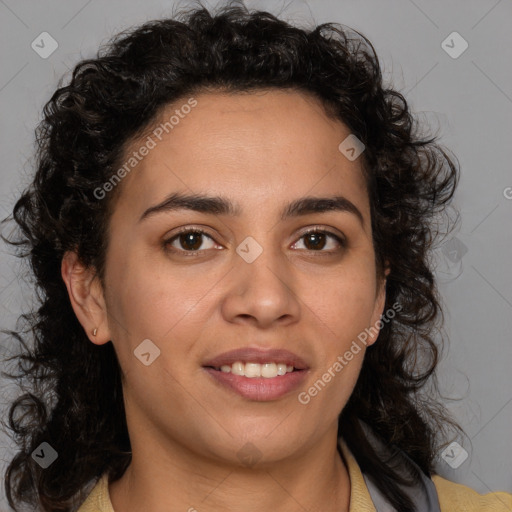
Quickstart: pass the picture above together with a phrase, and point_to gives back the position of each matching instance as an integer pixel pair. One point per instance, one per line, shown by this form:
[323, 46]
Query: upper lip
[258, 355]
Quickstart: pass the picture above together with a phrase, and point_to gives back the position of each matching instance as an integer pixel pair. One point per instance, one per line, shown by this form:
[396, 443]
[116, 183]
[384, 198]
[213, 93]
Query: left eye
[317, 239]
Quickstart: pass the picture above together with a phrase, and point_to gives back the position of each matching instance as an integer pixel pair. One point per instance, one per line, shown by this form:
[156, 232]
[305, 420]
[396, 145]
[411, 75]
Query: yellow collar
[360, 500]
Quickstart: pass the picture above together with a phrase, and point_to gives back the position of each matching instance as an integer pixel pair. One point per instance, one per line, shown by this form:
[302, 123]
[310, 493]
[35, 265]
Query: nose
[262, 292]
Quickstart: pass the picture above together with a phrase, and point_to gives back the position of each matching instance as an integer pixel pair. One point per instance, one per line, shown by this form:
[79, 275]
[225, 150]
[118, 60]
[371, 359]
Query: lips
[254, 355]
[254, 388]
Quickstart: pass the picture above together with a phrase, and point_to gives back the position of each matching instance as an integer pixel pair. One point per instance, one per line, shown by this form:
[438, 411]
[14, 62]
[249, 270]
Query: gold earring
[95, 332]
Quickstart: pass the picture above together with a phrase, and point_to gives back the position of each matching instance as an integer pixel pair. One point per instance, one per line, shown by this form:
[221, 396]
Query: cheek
[344, 304]
[172, 310]
[345, 308]
[331, 386]
[150, 296]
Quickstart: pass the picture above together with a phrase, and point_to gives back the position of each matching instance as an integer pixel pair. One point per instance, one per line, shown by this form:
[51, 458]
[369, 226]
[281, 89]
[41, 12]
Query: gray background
[467, 99]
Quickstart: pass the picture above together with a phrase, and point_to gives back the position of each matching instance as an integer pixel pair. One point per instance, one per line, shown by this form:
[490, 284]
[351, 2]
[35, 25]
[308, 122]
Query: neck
[159, 480]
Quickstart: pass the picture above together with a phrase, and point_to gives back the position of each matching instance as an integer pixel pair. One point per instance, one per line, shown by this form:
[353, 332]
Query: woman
[230, 224]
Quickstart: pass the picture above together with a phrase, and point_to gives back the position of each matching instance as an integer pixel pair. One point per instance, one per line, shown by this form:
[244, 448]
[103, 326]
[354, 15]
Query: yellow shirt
[452, 497]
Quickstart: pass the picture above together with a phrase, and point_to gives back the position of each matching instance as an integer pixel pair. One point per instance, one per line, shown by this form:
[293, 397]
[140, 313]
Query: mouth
[258, 375]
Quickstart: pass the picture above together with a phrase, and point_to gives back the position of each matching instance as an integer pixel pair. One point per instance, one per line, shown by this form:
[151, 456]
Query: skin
[261, 150]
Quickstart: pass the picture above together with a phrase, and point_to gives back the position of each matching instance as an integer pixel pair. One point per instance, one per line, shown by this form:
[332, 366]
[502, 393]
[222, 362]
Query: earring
[95, 332]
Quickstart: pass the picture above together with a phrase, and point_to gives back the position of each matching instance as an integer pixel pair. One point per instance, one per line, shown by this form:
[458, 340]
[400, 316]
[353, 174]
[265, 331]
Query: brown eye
[191, 240]
[188, 241]
[317, 240]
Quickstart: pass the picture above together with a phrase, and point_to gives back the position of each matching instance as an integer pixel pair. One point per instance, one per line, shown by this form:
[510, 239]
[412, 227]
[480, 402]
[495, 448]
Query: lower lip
[260, 389]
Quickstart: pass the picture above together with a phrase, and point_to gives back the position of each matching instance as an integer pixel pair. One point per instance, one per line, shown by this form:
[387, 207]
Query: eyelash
[167, 243]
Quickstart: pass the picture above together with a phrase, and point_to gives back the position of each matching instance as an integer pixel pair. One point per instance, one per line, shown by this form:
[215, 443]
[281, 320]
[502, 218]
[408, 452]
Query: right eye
[190, 240]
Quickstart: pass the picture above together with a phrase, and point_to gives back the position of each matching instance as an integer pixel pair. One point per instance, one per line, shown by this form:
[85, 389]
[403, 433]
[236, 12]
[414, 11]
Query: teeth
[282, 369]
[238, 368]
[269, 370]
[253, 370]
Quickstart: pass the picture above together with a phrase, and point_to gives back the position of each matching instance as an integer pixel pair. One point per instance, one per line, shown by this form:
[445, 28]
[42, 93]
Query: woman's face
[254, 280]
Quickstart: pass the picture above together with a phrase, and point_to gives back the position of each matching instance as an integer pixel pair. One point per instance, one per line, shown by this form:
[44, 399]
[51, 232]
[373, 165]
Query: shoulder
[455, 497]
[98, 499]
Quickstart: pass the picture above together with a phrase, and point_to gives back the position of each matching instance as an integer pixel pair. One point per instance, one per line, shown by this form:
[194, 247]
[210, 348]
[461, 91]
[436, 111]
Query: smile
[254, 370]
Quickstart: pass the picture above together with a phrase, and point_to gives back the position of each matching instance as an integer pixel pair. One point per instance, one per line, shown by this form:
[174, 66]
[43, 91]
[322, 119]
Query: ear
[86, 296]
[380, 302]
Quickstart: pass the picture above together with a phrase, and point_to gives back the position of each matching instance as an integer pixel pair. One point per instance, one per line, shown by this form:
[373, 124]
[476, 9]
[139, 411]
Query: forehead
[271, 143]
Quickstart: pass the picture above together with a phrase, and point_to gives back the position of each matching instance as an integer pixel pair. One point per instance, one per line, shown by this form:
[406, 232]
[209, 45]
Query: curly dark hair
[73, 388]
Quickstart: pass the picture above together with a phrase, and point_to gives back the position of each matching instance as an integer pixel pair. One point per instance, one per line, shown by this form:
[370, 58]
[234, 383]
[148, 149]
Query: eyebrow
[217, 205]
